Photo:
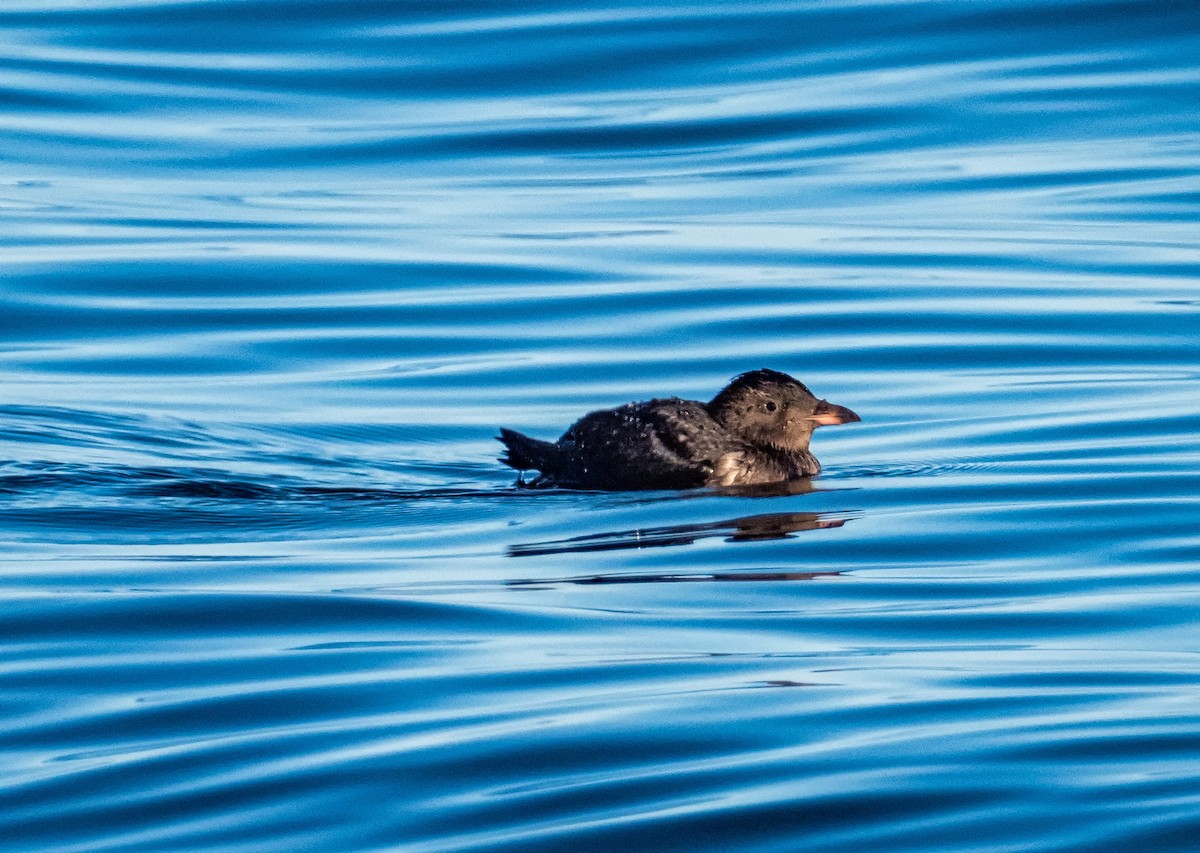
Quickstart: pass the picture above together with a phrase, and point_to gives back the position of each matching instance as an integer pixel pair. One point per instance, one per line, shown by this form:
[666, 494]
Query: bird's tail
[527, 454]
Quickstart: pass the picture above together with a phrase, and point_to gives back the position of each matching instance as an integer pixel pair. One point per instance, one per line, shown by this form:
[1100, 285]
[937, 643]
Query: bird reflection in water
[596, 580]
[753, 528]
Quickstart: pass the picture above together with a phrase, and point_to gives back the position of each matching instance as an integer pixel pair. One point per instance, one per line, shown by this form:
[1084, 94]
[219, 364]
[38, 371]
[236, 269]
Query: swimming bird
[756, 431]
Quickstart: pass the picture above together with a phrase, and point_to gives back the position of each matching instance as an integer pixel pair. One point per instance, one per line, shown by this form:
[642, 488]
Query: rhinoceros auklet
[755, 432]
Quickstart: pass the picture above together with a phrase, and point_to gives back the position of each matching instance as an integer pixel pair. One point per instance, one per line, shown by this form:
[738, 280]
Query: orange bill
[830, 414]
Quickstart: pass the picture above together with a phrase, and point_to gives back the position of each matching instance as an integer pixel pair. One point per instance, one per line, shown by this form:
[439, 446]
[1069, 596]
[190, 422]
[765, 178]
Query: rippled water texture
[273, 273]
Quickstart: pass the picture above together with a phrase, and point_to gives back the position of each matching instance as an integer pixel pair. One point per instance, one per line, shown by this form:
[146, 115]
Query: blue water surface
[273, 272]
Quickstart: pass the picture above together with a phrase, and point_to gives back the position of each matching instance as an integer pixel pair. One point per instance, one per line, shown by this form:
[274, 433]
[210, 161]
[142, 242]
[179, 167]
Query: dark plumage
[755, 431]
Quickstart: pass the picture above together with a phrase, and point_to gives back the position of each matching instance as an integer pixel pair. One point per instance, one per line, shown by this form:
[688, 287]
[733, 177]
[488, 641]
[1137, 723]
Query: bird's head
[771, 408]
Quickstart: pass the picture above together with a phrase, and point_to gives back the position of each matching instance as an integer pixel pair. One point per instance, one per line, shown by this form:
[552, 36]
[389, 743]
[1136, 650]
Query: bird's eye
[771, 405]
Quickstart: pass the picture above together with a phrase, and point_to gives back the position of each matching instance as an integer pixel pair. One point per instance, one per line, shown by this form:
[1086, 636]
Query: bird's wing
[658, 444]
